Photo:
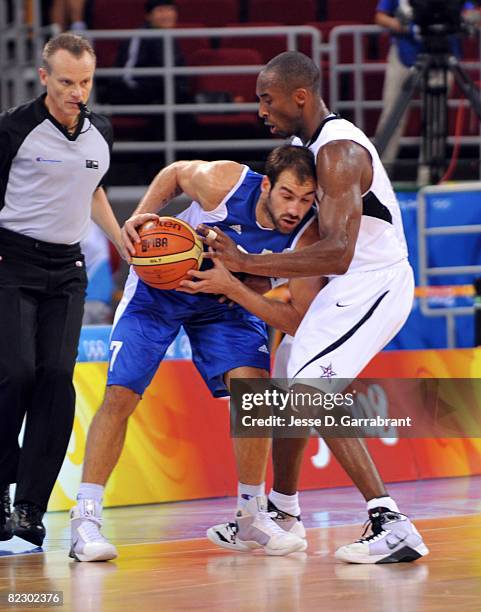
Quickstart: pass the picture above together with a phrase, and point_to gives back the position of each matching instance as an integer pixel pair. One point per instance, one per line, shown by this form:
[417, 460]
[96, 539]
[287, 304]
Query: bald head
[293, 70]
[290, 102]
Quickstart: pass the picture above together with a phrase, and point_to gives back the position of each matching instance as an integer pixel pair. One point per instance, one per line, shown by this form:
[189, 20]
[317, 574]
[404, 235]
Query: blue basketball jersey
[222, 338]
[236, 217]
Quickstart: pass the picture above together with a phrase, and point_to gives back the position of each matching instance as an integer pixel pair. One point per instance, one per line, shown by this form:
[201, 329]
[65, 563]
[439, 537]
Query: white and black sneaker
[394, 539]
[288, 522]
[255, 527]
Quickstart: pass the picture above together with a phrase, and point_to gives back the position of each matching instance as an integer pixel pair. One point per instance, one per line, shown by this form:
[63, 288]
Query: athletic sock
[89, 490]
[286, 503]
[246, 492]
[382, 502]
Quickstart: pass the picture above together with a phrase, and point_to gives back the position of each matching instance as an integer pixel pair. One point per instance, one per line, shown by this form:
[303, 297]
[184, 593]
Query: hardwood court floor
[192, 574]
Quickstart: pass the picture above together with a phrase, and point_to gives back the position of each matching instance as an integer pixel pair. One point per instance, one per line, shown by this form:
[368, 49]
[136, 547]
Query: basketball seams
[169, 258]
[165, 270]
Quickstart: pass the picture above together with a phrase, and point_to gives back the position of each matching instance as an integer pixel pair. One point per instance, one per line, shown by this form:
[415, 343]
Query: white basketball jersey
[381, 240]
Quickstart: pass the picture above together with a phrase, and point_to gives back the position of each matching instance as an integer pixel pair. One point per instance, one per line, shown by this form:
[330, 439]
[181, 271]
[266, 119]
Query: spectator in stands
[149, 52]
[396, 15]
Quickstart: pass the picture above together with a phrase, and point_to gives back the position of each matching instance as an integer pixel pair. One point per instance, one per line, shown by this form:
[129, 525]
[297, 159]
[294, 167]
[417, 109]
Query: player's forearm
[161, 191]
[276, 314]
[322, 258]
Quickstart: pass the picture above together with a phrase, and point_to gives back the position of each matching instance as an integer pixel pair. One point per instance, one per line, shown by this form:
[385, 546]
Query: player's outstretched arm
[344, 173]
[206, 182]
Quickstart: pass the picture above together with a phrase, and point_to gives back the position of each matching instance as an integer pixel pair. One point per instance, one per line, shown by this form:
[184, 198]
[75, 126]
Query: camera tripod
[429, 75]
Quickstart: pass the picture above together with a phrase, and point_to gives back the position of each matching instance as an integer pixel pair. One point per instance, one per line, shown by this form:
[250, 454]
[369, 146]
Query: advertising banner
[179, 446]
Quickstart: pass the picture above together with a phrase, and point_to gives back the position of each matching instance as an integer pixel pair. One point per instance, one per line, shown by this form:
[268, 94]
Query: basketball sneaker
[393, 539]
[255, 527]
[88, 544]
[288, 522]
[6, 531]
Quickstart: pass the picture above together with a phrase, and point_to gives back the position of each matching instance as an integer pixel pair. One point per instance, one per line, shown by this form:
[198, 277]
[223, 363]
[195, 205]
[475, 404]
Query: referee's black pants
[42, 292]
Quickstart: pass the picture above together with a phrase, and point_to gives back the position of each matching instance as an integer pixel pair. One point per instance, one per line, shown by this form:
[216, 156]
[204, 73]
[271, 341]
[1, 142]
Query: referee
[54, 154]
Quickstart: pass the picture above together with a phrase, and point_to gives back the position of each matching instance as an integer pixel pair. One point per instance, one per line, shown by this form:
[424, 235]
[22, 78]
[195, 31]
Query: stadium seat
[214, 13]
[383, 45]
[362, 12]
[114, 15]
[285, 11]
[267, 46]
[471, 49]
[188, 46]
[346, 51]
[240, 87]
[117, 14]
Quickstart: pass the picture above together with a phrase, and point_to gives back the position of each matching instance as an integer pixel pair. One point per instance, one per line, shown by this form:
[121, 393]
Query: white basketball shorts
[350, 320]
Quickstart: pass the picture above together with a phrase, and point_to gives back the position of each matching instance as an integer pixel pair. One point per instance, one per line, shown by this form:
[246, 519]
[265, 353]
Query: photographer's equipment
[437, 22]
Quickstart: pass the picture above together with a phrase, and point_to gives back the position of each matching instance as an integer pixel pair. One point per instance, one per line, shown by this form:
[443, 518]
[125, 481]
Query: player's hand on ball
[129, 230]
[225, 249]
[216, 280]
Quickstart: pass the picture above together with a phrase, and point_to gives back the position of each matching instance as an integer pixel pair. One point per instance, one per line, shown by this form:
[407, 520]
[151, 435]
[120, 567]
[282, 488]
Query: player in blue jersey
[260, 213]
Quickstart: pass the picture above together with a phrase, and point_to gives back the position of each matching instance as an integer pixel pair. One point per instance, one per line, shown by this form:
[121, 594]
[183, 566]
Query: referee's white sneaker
[394, 539]
[88, 544]
[255, 527]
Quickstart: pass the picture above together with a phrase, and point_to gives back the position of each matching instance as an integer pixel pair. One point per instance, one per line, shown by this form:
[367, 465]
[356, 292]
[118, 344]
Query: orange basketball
[168, 248]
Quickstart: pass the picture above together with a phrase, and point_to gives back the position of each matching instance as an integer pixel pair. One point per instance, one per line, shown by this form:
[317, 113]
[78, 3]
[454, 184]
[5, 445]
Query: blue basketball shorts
[148, 320]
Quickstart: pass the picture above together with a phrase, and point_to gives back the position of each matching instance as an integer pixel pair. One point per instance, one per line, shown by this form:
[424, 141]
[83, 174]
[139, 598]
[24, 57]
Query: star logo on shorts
[327, 372]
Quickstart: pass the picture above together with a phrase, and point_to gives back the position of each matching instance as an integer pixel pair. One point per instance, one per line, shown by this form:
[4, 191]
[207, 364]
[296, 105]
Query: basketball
[167, 250]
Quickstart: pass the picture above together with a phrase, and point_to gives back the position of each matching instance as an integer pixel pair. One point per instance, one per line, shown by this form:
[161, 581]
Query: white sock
[384, 502]
[89, 490]
[286, 503]
[246, 492]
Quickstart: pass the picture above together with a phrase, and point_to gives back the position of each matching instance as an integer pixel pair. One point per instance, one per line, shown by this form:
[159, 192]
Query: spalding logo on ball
[167, 250]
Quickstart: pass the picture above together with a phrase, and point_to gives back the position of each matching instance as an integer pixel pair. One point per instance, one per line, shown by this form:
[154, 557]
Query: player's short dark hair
[73, 43]
[298, 160]
[294, 69]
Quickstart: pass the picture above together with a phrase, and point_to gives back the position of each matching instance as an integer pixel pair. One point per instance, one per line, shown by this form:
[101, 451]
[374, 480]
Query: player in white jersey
[362, 251]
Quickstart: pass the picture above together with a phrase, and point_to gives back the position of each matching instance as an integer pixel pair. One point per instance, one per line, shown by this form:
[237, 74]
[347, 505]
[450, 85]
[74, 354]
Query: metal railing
[427, 271]
[362, 66]
[17, 77]
[170, 109]
[20, 48]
